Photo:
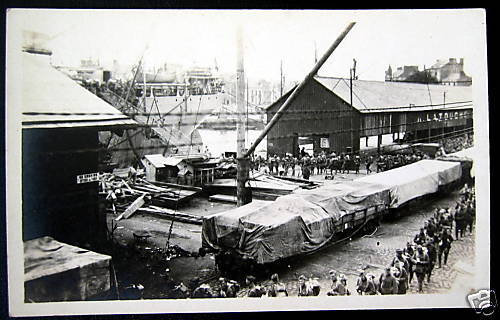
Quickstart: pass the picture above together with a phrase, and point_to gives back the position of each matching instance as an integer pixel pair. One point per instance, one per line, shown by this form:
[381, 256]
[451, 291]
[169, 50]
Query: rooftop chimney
[462, 61]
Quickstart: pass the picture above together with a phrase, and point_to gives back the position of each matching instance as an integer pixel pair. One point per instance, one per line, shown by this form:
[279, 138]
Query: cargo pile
[127, 195]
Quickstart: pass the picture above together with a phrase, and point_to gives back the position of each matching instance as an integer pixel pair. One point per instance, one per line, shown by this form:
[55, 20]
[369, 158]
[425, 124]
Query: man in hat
[459, 220]
[222, 292]
[388, 284]
[421, 237]
[431, 228]
[228, 288]
[254, 291]
[304, 290]
[409, 252]
[336, 286]
[420, 260]
[203, 291]
[306, 173]
[232, 289]
[357, 162]
[314, 286]
[438, 213]
[402, 276]
[343, 282]
[368, 164]
[400, 258]
[365, 284]
[444, 246]
[469, 217]
[432, 253]
[276, 289]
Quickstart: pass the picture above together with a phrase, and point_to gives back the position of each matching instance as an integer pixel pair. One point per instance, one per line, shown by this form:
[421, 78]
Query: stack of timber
[55, 271]
[166, 195]
[263, 186]
[126, 197]
[173, 215]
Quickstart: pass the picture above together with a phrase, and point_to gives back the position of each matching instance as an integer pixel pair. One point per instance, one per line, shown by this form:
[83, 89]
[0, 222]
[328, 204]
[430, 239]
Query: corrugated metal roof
[173, 161]
[160, 161]
[381, 96]
[156, 160]
[50, 99]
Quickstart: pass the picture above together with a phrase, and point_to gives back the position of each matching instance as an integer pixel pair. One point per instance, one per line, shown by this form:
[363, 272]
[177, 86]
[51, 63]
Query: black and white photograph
[174, 160]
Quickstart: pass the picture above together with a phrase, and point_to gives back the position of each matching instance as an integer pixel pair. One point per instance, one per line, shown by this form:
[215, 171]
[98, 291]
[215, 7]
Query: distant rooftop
[372, 96]
[382, 96]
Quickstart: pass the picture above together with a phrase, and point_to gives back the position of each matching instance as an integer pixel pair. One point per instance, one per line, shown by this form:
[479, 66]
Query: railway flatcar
[305, 221]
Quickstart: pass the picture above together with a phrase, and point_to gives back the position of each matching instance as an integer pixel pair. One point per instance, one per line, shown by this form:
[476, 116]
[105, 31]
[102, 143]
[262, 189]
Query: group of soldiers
[430, 246]
[306, 165]
[226, 288]
[116, 86]
[389, 161]
[309, 165]
[323, 163]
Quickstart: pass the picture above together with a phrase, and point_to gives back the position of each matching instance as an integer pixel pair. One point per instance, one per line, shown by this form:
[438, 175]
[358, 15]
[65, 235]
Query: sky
[200, 37]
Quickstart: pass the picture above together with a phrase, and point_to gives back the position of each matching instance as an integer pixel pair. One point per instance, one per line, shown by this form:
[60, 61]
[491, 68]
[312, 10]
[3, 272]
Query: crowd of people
[305, 165]
[455, 144]
[329, 164]
[429, 249]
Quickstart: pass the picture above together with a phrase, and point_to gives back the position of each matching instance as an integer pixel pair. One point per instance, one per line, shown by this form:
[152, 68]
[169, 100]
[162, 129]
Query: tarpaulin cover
[465, 153]
[220, 230]
[448, 172]
[291, 225]
[307, 219]
[415, 180]
[463, 156]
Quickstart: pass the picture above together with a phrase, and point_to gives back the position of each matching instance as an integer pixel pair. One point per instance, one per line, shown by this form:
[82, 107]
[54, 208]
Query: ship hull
[185, 115]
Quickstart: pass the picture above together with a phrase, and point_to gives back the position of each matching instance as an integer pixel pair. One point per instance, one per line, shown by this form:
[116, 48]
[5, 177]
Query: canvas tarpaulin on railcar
[415, 180]
[221, 229]
[465, 157]
[291, 225]
[448, 172]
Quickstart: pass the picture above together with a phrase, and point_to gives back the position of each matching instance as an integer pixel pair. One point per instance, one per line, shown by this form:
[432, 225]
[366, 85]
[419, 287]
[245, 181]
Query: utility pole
[243, 194]
[444, 121]
[298, 89]
[281, 78]
[246, 120]
[352, 74]
[315, 53]
[144, 87]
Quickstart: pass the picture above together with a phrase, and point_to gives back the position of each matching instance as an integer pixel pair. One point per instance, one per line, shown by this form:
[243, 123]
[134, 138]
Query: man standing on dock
[421, 260]
[432, 252]
[444, 246]
[388, 282]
